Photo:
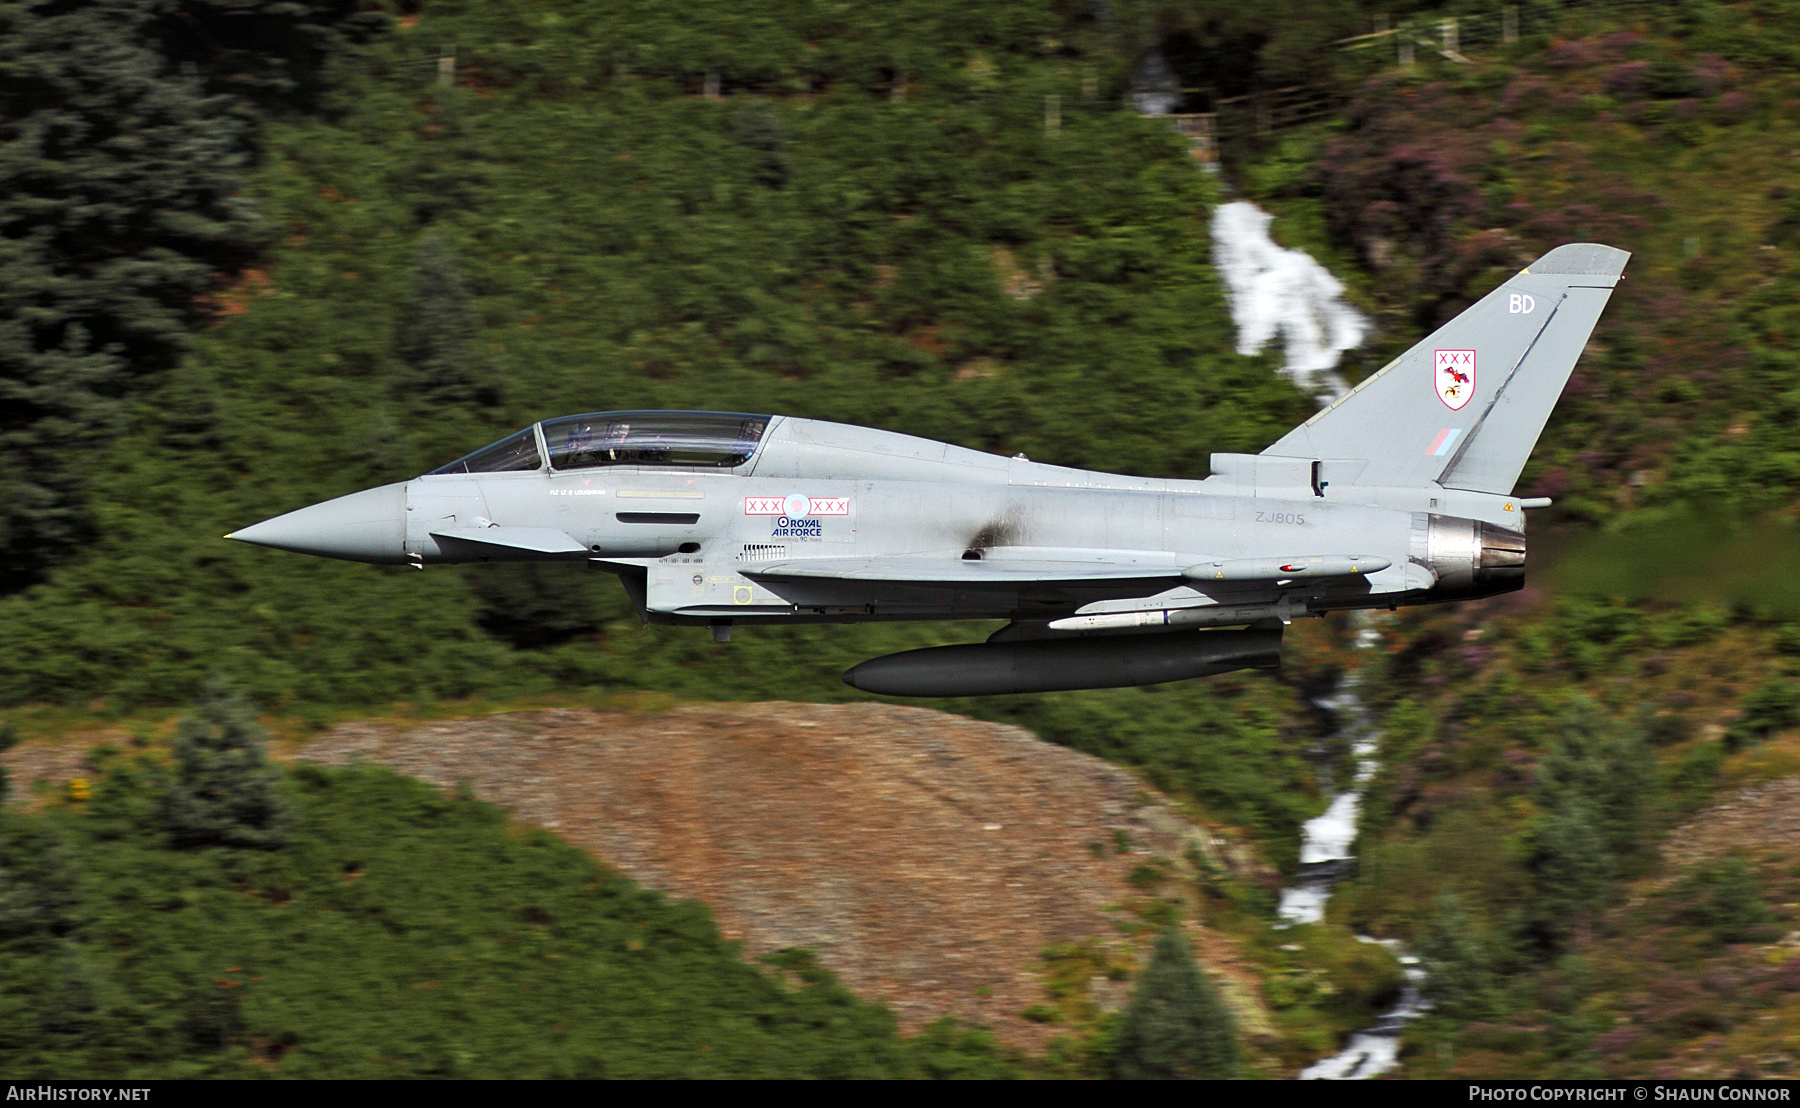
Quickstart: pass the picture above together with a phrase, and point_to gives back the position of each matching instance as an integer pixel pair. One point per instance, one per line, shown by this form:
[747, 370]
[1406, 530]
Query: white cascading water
[1326, 841]
[1376, 1049]
[1279, 292]
[1325, 856]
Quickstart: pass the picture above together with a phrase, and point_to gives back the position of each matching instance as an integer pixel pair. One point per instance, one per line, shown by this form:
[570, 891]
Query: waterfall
[1277, 292]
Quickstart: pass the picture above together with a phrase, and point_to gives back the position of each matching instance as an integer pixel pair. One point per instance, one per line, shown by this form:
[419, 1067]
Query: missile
[1050, 665]
[1287, 569]
[1210, 615]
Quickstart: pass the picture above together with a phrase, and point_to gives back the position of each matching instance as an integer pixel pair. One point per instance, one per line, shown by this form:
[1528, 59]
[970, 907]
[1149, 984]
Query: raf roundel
[796, 505]
[1453, 374]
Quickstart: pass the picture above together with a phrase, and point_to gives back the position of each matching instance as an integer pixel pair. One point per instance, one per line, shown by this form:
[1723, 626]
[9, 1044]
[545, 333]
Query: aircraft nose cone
[367, 526]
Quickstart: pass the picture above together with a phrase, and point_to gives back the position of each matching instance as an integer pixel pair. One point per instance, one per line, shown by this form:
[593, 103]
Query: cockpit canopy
[711, 440]
[514, 452]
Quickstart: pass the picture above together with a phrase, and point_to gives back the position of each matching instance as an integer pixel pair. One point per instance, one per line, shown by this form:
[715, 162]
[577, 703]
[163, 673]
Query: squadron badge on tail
[1455, 377]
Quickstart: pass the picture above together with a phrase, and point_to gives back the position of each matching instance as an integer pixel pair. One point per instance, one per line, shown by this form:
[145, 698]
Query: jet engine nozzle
[1469, 557]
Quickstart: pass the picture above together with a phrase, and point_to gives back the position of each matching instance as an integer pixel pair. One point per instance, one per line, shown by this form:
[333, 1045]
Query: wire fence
[1455, 37]
[1403, 44]
[1237, 119]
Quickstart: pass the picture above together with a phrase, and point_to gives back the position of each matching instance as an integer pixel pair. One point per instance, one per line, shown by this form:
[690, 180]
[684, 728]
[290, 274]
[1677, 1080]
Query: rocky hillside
[929, 860]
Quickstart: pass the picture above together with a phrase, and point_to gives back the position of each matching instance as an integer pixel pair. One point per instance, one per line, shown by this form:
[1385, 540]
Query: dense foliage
[119, 185]
[121, 168]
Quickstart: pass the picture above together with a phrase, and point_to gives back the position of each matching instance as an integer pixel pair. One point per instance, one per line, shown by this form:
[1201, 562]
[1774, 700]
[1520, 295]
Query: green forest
[255, 254]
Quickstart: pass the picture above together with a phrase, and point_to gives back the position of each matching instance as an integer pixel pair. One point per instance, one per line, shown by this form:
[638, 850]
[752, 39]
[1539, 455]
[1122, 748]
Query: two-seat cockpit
[697, 440]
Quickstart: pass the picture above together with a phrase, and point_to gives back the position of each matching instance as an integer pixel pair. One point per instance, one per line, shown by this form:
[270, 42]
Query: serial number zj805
[1295, 518]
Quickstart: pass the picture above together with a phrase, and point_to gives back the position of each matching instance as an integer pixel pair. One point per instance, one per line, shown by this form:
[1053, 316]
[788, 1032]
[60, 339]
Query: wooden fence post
[1052, 114]
[1509, 25]
[447, 68]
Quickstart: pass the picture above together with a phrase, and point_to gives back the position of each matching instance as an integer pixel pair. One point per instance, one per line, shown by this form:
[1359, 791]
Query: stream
[1325, 857]
[1285, 295]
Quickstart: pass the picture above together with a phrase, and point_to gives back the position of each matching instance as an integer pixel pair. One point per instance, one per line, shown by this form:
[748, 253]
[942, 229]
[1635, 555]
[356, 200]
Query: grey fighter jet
[1399, 493]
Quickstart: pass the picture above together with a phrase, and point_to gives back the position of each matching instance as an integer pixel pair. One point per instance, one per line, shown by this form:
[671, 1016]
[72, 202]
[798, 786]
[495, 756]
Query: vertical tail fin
[1465, 406]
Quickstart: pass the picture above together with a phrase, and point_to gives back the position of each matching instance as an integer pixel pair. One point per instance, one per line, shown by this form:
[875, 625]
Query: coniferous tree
[1574, 765]
[40, 895]
[436, 339]
[1176, 1026]
[757, 127]
[118, 204]
[9, 738]
[1631, 787]
[449, 175]
[272, 53]
[49, 996]
[1594, 787]
[1725, 899]
[1571, 1027]
[1605, 766]
[1459, 969]
[1572, 867]
[1771, 707]
[225, 792]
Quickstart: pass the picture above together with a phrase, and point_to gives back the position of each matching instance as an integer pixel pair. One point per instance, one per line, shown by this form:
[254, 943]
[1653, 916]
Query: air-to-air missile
[1400, 492]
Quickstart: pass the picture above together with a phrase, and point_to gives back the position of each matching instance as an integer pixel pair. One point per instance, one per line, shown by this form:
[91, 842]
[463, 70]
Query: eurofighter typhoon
[1399, 493]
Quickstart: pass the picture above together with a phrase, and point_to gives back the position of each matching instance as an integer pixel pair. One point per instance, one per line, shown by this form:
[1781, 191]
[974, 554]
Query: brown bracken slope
[925, 858]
